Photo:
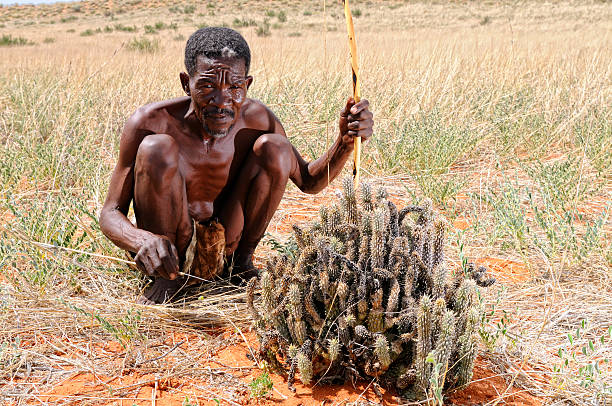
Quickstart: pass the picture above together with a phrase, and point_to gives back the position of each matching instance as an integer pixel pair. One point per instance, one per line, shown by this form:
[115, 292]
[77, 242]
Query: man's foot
[240, 272]
[162, 291]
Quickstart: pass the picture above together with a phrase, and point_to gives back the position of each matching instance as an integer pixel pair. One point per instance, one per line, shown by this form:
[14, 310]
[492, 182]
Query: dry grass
[491, 110]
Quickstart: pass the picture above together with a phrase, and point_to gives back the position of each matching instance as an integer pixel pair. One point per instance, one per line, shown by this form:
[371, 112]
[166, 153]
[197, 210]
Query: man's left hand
[356, 121]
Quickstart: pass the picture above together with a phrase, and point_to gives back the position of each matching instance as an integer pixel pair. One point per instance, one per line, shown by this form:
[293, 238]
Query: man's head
[217, 60]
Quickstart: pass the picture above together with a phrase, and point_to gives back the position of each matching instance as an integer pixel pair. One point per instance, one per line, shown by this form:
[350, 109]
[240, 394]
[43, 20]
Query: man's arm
[113, 221]
[355, 121]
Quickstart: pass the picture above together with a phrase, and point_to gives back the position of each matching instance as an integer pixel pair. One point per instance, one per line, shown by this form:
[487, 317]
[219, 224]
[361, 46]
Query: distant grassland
[499, 113]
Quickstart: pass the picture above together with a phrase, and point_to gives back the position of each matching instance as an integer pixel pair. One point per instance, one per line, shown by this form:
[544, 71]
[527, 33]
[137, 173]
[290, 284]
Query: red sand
[144, 389]
[487, 386]
[506, 270]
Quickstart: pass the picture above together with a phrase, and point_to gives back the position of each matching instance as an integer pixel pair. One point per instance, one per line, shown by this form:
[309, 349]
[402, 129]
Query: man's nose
[220, 98]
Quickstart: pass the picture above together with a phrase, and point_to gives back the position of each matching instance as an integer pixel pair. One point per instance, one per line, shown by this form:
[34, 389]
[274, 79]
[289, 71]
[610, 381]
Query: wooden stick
[356, 86]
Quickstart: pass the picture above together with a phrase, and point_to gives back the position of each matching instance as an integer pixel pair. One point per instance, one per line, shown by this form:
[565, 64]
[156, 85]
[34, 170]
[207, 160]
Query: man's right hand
[158, 257]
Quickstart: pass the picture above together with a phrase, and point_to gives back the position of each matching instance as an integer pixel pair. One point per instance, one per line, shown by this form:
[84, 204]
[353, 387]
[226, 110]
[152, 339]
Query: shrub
[370, 295]
[261, 386]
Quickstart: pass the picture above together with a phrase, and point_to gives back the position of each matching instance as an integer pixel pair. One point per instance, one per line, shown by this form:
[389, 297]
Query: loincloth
[205, 255]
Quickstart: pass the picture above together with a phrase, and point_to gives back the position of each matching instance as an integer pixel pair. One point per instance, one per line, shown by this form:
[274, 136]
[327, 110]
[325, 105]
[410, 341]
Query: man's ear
[249, 80]
[185, 82]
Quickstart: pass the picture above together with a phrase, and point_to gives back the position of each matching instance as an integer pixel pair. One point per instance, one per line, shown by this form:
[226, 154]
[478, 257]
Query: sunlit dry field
[500, 112]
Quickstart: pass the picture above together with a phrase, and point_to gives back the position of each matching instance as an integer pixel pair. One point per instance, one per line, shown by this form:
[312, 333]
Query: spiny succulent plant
[369, 294]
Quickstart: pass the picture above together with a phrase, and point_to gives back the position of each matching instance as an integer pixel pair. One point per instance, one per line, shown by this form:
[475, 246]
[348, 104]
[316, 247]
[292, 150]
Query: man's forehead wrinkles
[223, 74]
[214, 65]
[219, 71]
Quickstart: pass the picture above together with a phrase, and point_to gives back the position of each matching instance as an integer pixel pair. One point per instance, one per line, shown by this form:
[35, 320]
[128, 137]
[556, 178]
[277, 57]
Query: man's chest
[205, 166]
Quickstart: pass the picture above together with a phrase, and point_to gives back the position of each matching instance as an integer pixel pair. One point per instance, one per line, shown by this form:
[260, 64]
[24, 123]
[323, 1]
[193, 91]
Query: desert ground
[498, 111]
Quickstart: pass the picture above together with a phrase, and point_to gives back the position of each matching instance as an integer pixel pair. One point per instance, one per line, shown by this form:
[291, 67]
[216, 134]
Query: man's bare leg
[252, 202]
[160, 205]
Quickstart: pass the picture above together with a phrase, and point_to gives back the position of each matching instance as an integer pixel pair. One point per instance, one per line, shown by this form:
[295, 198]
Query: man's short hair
[216, 42]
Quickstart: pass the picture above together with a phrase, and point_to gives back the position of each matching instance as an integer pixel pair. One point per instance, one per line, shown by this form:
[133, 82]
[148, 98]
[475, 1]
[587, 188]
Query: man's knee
[157, 151]
[274, 153]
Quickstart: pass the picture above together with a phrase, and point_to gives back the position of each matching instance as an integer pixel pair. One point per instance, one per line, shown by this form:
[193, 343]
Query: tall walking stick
[356, 90]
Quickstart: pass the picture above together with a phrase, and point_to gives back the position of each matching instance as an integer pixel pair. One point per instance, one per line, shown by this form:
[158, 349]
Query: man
[214, 154]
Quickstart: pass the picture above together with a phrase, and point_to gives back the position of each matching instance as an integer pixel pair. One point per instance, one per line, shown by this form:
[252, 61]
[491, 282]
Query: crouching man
[207, 171]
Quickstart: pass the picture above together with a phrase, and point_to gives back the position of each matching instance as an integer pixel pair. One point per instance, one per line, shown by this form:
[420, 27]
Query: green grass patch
[68, 19]
[144, 45]
[89, 32]
[125, 28]
[263, 29]
[243, 22]
[8, 40]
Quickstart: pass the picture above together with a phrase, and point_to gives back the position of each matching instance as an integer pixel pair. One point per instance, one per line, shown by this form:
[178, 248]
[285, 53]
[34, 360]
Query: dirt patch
[234, 369]
[131, 388]
[506, 270]
[488, 386]
[461, 223]
[236, 356]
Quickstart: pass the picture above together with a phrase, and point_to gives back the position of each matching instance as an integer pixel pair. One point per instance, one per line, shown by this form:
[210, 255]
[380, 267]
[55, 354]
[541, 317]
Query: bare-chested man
[214, 153]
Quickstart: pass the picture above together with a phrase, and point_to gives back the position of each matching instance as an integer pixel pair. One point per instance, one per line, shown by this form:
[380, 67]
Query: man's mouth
[218, 114]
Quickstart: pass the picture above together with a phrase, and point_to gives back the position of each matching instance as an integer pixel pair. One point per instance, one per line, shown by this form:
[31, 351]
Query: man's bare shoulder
[258, 116]
[154, 116]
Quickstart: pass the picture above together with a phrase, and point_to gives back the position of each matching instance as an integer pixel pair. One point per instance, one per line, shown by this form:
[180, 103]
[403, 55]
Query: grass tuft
[7, 40]
[144, 45]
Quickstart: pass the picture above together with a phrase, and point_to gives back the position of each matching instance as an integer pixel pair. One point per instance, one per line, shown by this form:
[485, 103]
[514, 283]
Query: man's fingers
[363, 115]
[364, 133]
[360, 125]
[168, 262]
[349, 103]
[362, 105]
[144, 265]
[159, 266]
[175, 257]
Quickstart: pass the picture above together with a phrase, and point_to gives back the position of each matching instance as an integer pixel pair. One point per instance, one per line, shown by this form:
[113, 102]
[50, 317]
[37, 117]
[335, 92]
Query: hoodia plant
[369, 294]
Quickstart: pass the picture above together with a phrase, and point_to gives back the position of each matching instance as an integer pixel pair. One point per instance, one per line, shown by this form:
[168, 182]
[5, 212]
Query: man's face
[218, 89]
